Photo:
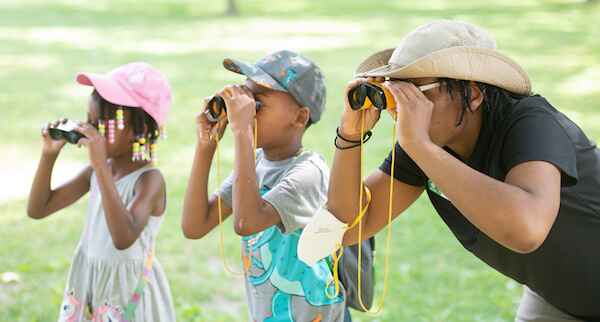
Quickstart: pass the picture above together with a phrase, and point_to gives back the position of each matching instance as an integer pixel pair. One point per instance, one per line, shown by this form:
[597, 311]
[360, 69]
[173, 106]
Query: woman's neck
[465, 146]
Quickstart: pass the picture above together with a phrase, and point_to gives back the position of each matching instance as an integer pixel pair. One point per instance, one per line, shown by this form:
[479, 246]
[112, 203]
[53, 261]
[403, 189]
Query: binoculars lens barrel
[65, 131]
[216, 108]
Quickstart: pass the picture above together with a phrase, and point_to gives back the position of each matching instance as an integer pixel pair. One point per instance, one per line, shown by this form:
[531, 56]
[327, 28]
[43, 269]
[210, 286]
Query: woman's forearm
[344, 184]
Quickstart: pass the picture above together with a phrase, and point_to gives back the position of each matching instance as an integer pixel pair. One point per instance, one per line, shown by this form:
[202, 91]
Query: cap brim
[108, 88]
[465, 63]
[255, 73]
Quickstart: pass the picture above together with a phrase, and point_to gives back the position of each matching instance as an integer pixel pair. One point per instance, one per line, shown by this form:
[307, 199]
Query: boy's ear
[303, 116]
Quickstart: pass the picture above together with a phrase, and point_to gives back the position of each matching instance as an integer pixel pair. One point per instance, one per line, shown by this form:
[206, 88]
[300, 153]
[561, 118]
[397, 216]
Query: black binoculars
[65, 131]
[215, 108]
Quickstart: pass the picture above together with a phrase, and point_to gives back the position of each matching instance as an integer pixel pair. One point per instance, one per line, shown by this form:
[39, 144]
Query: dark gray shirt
[565, 269]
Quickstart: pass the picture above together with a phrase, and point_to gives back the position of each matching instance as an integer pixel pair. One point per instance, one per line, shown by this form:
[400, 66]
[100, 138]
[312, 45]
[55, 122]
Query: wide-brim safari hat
[448, 49]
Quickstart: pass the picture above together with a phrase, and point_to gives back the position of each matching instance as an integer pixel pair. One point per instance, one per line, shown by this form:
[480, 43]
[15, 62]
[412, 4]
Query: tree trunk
[232, 9]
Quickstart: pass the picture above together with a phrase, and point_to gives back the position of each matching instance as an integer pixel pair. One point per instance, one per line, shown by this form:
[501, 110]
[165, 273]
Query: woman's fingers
[399, 96]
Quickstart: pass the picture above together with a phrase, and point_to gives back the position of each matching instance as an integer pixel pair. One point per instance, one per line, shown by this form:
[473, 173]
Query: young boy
[274, 198]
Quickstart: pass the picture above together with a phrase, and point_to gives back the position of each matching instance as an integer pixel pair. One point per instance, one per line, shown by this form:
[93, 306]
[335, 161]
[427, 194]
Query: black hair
[140, 119]
[493, 96]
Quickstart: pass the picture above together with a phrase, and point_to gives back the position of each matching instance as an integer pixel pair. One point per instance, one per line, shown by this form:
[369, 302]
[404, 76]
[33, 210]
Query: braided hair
[139, 118]
[493, 96]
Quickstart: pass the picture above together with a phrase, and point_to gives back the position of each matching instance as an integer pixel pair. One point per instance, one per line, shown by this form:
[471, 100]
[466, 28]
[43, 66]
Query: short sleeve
[540, 137]
[405, 169]
[226, 190]
[299, 194]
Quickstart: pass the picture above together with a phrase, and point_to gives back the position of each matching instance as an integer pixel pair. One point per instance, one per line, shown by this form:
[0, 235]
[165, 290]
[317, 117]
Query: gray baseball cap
[289, 72]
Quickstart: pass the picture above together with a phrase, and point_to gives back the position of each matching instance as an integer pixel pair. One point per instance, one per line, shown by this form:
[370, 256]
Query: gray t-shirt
[278, 284]
[295, 187]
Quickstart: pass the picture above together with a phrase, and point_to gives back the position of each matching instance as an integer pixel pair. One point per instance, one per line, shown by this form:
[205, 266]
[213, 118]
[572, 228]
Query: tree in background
[232, 9]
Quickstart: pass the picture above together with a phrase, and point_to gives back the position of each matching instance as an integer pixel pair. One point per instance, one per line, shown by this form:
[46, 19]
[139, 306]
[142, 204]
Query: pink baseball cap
[135, 84]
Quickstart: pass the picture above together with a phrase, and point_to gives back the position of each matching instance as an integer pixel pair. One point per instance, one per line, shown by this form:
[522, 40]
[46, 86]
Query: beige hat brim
[465, 63]
[374, 61]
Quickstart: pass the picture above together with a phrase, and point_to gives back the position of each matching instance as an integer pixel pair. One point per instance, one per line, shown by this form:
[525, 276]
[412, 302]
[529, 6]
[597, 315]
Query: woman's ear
[477, 97]
[302, 117]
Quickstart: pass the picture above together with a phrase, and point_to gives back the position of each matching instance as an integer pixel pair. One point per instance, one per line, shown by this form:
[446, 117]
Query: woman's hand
[351, 122]
[414, 112]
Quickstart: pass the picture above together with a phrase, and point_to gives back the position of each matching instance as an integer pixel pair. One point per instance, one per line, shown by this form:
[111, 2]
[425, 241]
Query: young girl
[114, 275]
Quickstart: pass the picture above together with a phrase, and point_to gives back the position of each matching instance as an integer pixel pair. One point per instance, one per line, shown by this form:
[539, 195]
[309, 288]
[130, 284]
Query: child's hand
[241, 107]
[95, 143]
[50, 146]
[352, 120]
[209, 133]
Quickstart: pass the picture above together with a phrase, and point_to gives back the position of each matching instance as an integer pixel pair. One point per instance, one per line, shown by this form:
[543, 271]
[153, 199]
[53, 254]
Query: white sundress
[107, 284]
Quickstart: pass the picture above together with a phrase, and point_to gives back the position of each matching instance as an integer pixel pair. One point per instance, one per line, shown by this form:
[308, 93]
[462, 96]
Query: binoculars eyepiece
[371, 94]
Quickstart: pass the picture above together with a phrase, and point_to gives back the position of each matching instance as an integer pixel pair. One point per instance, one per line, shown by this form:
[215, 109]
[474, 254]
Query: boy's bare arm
[201, 214]
[252, 213]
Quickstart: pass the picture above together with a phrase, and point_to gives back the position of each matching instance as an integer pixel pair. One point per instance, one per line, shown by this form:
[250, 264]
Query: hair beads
[145, 129]
[110, 123]
[111, 131]
[120, 119]
[145, 148]
[153, 153]
[147, 151]
[101, 128]
[141, 156]
[136, 151]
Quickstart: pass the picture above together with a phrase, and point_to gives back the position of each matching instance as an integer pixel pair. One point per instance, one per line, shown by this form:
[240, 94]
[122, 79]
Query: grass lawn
[45, 43]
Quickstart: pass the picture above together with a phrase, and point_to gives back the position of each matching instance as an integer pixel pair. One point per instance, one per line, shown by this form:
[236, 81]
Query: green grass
[44, 43]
